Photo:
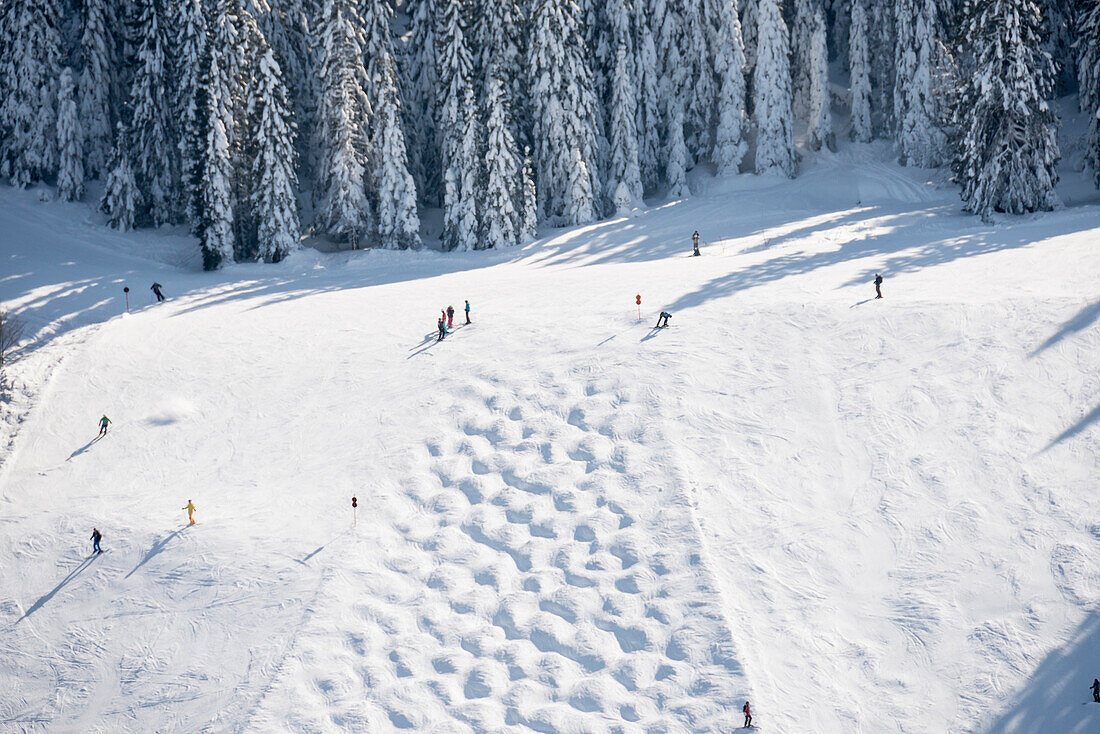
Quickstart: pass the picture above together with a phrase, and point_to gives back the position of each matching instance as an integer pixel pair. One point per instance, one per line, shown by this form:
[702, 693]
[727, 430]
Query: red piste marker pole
[126, 290]
[638, 300]
[354, 511]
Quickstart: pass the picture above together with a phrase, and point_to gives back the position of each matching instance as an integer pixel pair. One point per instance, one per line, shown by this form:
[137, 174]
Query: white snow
[861, 515]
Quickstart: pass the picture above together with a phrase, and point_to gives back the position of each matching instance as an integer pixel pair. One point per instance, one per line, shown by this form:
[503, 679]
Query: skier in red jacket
[748, 714]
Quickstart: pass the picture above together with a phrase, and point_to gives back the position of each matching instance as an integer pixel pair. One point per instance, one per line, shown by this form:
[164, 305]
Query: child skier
[748, 714]
[96, 537]
[468, 311]
[190, 507]
[450, 317]
[878, 285]
[103, 423]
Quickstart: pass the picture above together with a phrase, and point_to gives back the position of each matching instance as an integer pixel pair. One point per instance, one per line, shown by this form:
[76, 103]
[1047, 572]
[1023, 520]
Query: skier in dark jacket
[96, 537]
[662, 320]
[156, 291]
[1095, 689]
[878, 285]
[442, 326]
[695, 244]
[468, 311]
[103, 423]
[748, 714]
[450, 316]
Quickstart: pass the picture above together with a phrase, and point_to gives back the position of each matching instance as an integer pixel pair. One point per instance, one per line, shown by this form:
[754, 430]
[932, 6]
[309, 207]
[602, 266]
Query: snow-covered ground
[863, 516]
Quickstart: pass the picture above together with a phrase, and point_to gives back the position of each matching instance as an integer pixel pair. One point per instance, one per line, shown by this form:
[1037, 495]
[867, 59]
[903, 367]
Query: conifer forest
[256, 123]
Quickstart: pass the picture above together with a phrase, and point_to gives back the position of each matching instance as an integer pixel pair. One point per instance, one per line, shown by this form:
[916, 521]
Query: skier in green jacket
[103, 423]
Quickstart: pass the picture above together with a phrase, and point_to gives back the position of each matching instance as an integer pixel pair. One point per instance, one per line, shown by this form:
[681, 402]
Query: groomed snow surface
[863, 516]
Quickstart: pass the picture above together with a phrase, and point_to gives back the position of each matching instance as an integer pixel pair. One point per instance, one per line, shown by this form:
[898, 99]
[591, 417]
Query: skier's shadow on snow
[860, 303]
[652, 333]
[83, 448]
[429, 341]
[155, 549]
[50, 594]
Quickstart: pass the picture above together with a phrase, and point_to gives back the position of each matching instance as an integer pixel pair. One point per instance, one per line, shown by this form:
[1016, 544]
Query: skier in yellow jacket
[190, 507]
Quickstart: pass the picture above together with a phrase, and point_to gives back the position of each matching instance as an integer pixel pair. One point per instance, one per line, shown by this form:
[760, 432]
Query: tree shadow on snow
[1085, 318]
[1086, 420]
[1057, 697]
[896, 249]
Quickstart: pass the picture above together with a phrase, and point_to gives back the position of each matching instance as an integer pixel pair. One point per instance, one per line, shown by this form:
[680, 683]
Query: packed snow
[858, 514]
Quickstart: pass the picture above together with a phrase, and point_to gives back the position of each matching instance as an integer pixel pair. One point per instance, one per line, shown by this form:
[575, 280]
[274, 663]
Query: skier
[695, 244]
[1095, 689]
[103, 423]
[156, 291]
[748, 714]
[450, 316]
[190, 507]
[468, 311]
[664, 317]
[96, 537]
[442, 326]
[878, 285]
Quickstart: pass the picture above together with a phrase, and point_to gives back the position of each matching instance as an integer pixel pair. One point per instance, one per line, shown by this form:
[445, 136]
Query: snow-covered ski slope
[863, 516]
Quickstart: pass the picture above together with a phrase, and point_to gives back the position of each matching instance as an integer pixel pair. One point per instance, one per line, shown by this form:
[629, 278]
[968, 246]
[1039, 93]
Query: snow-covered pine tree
[420, 69]
[859, 60]
[883, 45]
[70, 139]
[648, 121]
[529, 217]
[286, 28]
[499, 43]
[375, 19]
[120, 191]
[1009, 148]
[216, 221]
[820, 115]
[398, 221]
[772, 92]
[1087, 48]
[676, 168]
[274, 181]
[189, 52]
[500, 219]
[802, 61]
[243, 65]
[702, 91]
[28, 78]
[151, 129]
[457, 125]
[563, 115]
[1059, 33]
[1088, 65]
[920, 140]
[673, 78]
[729, 143]
[99, 58]
[624, 178]
[748, 33]
[342, 114]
